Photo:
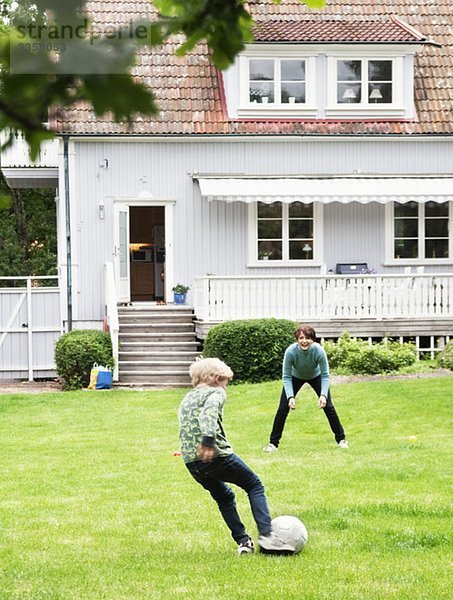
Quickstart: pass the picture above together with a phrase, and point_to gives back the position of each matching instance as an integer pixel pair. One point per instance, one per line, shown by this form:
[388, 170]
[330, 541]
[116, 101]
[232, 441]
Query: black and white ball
[291, 530]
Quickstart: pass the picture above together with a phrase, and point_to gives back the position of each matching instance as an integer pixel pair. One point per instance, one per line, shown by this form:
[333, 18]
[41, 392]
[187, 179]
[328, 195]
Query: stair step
[152, 366]
[146, 385]
[154, 377]
[125, 357]
[131, 318]
[156, 328]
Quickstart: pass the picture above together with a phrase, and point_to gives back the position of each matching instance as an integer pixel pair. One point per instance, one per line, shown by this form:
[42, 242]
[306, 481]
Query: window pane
[349, 70]
[436, 228]
[349, 93]
[301, 250]
[262, 93]
[261, 70]
[406, 210]
[380, 93]
[270, 250]
[293, 93]
[269, 229]
[406, 248]
[293, 70]
[299, 209]
[406, 228]
[301, 229]
[270, 210]
[436, 209]
[380, 70]
[436, 249]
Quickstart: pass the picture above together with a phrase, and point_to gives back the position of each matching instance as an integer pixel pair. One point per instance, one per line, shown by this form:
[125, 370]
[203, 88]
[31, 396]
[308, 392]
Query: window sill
[364, 111]
[434, 262]
[278, 110]
[280, 263]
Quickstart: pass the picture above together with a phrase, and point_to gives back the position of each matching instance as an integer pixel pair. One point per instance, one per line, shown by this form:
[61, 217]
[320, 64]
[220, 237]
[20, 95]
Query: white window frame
[277, 54]
[316, 261]
[390, 260]
[402, 100]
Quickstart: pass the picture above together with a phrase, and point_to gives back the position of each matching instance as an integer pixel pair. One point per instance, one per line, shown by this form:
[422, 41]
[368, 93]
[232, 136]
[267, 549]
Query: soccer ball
[291, 530]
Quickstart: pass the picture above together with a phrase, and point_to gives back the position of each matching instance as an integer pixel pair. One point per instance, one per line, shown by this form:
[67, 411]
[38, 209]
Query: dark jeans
[212, 477]
[283, 410]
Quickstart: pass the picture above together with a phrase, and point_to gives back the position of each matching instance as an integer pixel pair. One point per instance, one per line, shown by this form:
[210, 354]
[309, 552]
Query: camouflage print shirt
[200, 421]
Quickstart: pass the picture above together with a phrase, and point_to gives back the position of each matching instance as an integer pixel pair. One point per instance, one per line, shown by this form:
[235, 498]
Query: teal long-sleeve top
[305, 364]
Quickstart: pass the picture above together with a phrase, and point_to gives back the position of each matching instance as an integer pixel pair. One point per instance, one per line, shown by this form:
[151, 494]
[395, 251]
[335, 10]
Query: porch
[368, 306]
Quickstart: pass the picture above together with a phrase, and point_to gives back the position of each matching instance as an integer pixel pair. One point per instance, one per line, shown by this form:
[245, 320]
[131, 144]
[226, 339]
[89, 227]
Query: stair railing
[111, 314]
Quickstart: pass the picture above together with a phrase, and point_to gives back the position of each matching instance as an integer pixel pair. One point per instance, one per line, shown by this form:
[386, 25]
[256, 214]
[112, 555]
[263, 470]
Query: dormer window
[277, 81]
[369, 82]
[364, 81]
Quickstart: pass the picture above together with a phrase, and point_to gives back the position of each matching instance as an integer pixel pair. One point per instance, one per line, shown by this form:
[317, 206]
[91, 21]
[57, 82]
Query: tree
[31, 80]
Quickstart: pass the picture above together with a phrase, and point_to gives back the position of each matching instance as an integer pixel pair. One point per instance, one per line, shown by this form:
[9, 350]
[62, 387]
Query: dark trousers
[283, 410]
[212, 476]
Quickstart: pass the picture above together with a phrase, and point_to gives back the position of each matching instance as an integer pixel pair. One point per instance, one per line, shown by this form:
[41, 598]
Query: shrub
[253, 349]
[75, 353]
[356, 356]
[445, 357]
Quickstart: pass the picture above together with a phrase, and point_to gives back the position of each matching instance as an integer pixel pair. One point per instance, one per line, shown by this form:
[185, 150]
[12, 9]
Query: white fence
[30, 324]
[324, 297]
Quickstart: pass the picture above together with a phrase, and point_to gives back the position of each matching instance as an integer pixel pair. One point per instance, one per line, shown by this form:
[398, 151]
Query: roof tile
[187, 88]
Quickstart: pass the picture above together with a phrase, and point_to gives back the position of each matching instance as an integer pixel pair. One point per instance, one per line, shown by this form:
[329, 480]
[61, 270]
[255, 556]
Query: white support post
[30, 331]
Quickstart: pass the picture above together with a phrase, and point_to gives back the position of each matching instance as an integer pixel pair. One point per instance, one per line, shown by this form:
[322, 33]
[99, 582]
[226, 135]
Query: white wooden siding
[212, 237]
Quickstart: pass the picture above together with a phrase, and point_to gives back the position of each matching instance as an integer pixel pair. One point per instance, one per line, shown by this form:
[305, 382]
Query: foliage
[32, 251]
[75, 353]
[445, 357]
[93, 504]
[180, 288]
[96, 65]
[253, 348]
[356, 356]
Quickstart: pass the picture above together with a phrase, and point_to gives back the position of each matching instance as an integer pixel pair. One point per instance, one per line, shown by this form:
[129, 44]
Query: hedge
[75, 353]
[445, 357]
[253, 348]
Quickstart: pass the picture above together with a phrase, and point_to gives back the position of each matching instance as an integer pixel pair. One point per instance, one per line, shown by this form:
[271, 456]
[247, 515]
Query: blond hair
[208, 370]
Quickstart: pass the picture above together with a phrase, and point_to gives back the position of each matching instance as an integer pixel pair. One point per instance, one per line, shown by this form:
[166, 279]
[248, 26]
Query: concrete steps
[157, 346]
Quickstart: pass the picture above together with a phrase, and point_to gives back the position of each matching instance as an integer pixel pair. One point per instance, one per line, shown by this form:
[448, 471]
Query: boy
[210, 460]
[305, 362]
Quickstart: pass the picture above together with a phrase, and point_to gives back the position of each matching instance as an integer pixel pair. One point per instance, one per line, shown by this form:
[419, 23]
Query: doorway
[147, 253]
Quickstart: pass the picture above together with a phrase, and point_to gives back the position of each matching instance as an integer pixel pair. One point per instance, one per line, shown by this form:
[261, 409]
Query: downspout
[68, 231]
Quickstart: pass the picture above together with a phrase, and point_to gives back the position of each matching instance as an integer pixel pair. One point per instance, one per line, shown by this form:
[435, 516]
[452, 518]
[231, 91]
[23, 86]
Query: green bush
[356, 356]
[253, 349]
[445, 357]
[75, 353]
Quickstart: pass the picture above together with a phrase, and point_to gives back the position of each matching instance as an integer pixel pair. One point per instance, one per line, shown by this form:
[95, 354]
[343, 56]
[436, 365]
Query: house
[311, 180]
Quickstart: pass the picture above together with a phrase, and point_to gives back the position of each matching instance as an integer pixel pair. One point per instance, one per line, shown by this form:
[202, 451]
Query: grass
[94, 505]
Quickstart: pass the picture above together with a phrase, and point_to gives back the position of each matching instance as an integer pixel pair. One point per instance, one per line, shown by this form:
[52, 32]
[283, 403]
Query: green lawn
[94, 505]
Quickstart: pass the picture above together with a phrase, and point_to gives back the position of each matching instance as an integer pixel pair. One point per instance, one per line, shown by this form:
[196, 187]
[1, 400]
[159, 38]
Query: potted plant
[179, 293]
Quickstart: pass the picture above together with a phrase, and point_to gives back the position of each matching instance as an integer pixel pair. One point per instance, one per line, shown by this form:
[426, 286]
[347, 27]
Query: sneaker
[343, 444]
[270, 448]
[246, 547]
[271, 543]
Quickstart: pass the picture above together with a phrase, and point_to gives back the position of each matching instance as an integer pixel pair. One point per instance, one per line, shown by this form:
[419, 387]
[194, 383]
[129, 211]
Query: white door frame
[143, 200]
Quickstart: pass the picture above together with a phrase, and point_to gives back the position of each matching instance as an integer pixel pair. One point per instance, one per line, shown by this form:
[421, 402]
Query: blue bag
[105, 379]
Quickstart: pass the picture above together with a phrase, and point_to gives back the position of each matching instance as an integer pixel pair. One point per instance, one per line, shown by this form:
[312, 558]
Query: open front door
[122, 269]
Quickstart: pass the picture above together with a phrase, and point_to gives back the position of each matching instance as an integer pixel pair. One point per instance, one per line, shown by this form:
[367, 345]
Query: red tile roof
[188, 89]
[334, 31]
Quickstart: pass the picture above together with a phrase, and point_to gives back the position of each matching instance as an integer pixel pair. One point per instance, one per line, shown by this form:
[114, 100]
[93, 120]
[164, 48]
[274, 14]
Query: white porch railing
[18, 154]
[30, 323]
[111, 310]
[324, 297]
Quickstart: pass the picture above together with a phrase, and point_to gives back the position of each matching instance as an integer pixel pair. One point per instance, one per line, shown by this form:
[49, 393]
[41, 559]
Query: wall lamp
[101, 208]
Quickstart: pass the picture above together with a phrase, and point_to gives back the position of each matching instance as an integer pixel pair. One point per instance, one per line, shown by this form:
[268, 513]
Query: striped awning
[327, 190]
